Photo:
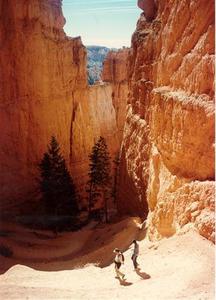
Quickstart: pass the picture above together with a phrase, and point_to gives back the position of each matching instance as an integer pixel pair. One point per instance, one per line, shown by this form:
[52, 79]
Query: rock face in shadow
[168, 154]
[149, 7]
[44, 92]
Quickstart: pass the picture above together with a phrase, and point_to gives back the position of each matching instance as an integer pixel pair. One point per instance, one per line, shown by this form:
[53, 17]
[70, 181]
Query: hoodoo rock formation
[167, 151]
[44, 92]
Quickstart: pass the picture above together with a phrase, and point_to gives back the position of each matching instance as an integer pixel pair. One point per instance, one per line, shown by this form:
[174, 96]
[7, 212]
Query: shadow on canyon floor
[46, 251]
[124, 282]
[143, 275]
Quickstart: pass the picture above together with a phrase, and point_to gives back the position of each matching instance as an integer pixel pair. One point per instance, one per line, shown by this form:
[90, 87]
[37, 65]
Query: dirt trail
[181, 267]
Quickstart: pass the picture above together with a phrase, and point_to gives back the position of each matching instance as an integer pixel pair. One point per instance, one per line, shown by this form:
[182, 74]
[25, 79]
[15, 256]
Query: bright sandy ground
[46, 267]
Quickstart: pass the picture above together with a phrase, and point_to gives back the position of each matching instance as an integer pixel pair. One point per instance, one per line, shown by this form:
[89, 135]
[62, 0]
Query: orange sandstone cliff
[167, 163]
[115, 72]
[43, 92]
[156, 100]
[94, 116]
[39, 70]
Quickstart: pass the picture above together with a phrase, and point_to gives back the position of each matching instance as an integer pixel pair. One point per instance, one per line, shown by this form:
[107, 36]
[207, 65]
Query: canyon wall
[39, 70]
[44, 92]
[167, 160]
[115, 72]
[167, 127]
[94, 116]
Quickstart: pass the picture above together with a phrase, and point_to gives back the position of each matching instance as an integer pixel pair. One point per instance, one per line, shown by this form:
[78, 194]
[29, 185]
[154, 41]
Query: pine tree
[56, 185]
[116, 162]
[99, 184]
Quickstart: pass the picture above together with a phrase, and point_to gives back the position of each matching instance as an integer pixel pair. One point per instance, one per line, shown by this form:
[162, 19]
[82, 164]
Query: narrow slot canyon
[153, 103]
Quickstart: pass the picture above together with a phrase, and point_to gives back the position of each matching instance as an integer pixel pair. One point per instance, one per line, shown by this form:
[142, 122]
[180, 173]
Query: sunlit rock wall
[115, 72]
[167, 151]
[44, 92]
[94, 116]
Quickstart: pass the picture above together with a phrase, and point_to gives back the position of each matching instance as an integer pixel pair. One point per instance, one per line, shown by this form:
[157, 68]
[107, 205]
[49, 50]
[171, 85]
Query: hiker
[135, 253]
[119, 260]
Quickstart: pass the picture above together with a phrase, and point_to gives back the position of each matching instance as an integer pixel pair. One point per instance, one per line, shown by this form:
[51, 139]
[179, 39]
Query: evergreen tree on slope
[99, 184]
[57, 187]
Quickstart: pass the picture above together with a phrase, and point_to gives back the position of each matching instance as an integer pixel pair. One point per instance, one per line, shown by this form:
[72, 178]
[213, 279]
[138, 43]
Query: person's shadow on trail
[124, 282]
[143, 275]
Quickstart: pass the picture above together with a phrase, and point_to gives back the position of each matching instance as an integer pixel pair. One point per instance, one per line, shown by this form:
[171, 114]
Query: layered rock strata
[167, 152]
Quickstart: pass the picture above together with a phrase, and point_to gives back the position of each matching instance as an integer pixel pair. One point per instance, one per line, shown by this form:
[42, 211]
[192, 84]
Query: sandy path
[180, 267]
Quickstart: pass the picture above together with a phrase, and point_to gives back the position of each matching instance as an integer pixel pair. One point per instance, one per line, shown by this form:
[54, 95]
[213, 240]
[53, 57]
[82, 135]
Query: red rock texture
[149, 7]
[168, 154]
[94, 116]
[39, 69]
[115, 72]
[43, 92]
[115, 67]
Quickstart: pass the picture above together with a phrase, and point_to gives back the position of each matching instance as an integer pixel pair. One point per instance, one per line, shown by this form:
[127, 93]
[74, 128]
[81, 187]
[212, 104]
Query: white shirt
[118, 258]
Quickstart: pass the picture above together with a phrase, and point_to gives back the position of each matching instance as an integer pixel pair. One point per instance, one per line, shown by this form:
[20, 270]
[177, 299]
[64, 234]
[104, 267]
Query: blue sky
[101, 22]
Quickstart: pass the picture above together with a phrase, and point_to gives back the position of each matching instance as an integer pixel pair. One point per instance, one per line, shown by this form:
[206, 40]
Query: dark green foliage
[56, 185]
[5, 251]
[99, 185]
[91, 80]
[116, 162]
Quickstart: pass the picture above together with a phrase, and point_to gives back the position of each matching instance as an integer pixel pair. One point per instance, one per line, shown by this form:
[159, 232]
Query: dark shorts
[118, 264]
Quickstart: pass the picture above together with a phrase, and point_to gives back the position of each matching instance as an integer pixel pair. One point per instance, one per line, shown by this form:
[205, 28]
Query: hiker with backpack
[135, 253]
[119, 260]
